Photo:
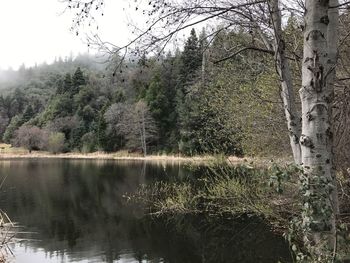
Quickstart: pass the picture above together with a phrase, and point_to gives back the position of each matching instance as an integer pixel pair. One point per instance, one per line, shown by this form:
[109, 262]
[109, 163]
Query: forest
[179, 102]
[249, 78]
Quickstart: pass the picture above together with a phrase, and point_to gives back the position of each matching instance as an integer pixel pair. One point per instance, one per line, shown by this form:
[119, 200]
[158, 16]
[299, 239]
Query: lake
[76, 211]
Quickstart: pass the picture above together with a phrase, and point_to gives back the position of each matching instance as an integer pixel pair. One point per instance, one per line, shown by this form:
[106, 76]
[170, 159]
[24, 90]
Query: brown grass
[7, 235]
[8, 152]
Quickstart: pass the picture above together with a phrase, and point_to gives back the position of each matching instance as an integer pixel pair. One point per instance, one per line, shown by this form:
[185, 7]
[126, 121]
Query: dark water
[75, 211]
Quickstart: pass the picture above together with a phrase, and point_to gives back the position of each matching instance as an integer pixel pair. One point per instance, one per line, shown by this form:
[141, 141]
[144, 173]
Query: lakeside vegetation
[75, 108]
[167, 104]
[221, 189]
[80, 205]
[229, 90]
[7, 151]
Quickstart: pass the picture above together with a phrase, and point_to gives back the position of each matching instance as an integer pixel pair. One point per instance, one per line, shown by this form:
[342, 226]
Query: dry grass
[7, 235]
[6, 152]
[7, 232]
[8, 149]
[223, 190]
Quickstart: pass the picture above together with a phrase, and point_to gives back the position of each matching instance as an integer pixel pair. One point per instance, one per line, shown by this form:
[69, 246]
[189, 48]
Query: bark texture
[287, 87]
[332, 39]
[316, 141]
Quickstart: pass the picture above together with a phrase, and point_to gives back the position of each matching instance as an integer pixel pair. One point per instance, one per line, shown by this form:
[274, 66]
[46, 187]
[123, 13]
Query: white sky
[36, 31]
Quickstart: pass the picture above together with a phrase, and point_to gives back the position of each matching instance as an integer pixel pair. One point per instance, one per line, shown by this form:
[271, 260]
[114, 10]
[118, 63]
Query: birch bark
[287, 87]
[317, 137]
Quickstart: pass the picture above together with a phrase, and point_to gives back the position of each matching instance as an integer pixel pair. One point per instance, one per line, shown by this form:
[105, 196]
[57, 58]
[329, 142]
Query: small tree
[3, 124]
[134, 123]
[117, 120]
[67, 83]
[31, 138]
[143, 127]
[9, 133]
[56, 142]
[78, 80]
[88, 141]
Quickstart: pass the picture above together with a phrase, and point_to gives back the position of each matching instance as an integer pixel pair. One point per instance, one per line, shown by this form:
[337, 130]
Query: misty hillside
[97, 107]
[39, 76]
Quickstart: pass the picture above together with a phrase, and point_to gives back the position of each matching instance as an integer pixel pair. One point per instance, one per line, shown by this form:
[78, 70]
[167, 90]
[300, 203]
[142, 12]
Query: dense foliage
[178, 102]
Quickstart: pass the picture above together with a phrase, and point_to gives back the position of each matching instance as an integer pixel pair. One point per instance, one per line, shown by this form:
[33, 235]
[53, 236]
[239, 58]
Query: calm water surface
[76, 211]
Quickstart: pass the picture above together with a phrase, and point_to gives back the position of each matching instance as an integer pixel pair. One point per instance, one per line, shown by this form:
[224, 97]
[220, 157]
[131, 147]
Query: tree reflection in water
[76, 210]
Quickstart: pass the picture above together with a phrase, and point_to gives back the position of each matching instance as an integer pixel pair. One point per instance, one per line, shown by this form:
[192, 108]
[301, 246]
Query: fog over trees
[166, 95]
[261, 78]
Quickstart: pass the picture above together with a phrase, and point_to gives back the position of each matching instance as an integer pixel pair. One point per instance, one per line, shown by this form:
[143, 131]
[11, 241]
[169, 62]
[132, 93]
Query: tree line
[310, 56]
[178, 102]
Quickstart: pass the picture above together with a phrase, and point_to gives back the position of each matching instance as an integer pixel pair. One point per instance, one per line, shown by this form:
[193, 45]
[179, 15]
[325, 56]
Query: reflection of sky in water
[75, 211]
[26, 254]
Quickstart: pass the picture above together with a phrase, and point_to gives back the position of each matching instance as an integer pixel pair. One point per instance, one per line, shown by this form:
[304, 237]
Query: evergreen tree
[28, 113]
[67, 84]
[87, 114]
[18, 102]
[77, 81]
[76, 135]
[60, 106]
[15, 123]
[191, 60]
[158, 104]
[60, 89]
[102, 139]
[170, 77]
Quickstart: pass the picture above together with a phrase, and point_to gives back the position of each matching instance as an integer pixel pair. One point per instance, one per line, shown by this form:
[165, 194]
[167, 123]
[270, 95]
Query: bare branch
[245, 49]
[340, 5]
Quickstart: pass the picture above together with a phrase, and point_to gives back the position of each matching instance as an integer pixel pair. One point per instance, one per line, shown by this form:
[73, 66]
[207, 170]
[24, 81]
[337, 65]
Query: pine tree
[15, 123]
[59, 86]
[158, 103]
[77, 81]
[28, 113]
[102, 139]
[67, 83]
[191, 59]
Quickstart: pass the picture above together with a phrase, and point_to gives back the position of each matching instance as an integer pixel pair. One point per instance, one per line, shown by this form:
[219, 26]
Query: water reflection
[75, 212]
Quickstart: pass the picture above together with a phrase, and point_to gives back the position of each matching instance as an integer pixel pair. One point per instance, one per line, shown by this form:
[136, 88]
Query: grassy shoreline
[264, 162]
[18, 153]
[102, 155]
[8, 152]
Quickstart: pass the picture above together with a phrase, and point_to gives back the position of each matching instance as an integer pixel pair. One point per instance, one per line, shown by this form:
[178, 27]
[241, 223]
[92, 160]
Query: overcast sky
[36, 31]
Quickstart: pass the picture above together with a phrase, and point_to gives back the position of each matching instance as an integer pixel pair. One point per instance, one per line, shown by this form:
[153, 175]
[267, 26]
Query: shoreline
[7, 153]
[106, 156]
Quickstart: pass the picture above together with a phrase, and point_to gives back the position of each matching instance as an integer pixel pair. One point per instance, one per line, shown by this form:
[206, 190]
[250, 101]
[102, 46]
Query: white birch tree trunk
[141, 138]
[144, 134]
[316, 141]
[287, 87]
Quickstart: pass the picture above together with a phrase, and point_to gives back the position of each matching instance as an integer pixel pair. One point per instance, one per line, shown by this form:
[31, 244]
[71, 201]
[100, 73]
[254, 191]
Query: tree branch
[340, 5]
[242, 50]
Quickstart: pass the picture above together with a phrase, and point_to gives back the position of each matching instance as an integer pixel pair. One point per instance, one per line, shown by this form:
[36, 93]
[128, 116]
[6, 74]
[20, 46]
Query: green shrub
[56, 142]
